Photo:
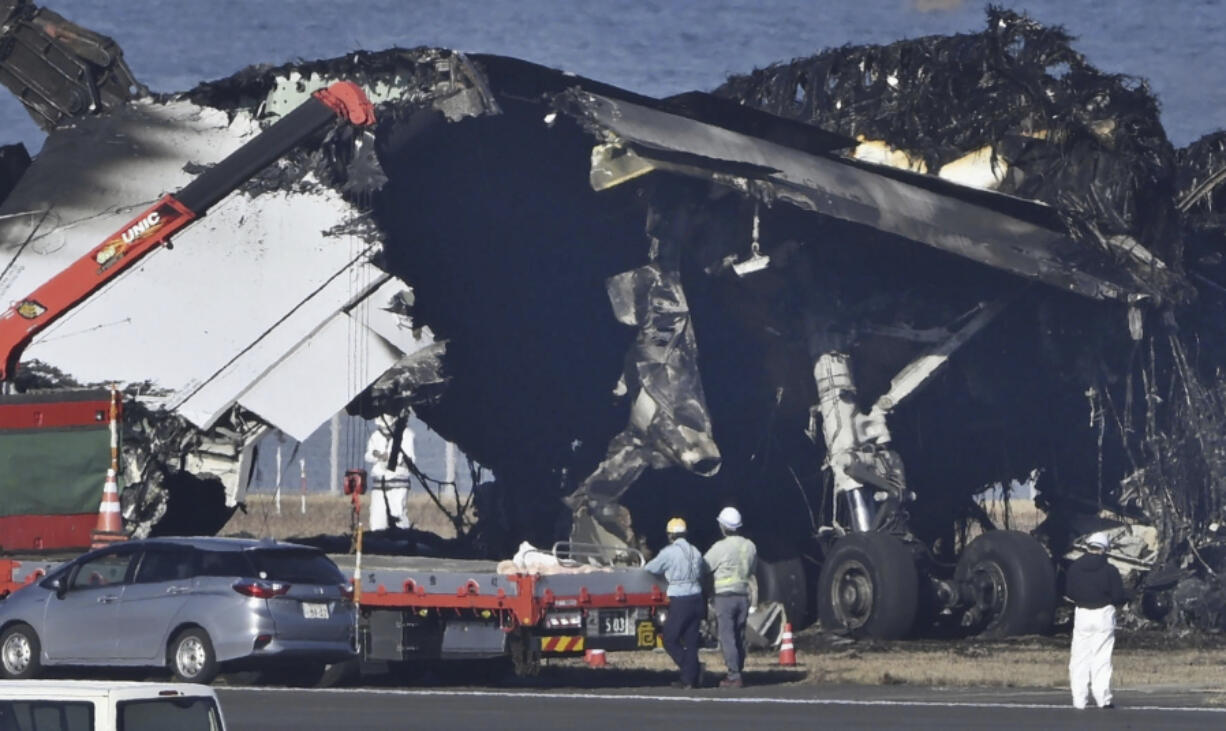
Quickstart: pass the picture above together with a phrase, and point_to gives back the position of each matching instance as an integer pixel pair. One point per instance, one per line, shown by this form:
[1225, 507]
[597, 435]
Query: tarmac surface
[804, 704]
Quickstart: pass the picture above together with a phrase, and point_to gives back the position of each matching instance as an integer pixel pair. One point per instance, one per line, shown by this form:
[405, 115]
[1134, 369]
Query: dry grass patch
[1019, 667]
[961, 663]
[1016, 667]
[1027, 667]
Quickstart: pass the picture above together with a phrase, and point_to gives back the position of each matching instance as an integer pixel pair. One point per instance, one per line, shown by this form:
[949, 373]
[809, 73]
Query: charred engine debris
[58, 69]
[850, 293]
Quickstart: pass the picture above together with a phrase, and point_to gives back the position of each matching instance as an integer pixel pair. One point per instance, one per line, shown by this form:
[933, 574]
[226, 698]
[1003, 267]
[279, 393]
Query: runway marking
[546, 695]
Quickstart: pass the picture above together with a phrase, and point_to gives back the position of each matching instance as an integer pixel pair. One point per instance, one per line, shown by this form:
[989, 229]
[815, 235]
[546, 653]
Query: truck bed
[448, 608]
[420, 581]
[16, 572]
[433, 576]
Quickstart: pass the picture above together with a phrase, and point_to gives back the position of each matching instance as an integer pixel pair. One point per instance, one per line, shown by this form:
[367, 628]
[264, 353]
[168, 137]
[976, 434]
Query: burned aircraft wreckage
[975, 256]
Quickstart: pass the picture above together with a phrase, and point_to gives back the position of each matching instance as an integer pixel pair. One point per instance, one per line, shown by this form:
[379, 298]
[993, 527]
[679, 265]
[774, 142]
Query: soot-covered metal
[850, 292]
[1131, 422]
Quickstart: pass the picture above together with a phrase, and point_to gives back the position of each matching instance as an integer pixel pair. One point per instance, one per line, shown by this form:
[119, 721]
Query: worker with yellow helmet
[682, 566]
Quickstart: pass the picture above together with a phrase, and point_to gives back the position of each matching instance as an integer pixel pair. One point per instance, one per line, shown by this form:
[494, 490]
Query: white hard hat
[730, 518]
[1099, 540]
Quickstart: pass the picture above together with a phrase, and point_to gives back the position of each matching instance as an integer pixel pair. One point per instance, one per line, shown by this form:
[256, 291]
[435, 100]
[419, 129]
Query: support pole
[858, 443]
[110, 521]
[277, 497]
[334, 473]
[449, 462]
[357, 570]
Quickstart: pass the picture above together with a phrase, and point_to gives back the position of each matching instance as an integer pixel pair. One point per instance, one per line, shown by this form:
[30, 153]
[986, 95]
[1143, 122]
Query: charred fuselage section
[1118, 415]
[848, 294]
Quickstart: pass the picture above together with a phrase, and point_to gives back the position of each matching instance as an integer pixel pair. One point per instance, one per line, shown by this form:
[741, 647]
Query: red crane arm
[154, 227]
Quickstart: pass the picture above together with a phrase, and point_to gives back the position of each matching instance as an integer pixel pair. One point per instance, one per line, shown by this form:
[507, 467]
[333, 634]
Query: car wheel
[20, 653]
[869, 587]
[191, 657]
[1012, 582]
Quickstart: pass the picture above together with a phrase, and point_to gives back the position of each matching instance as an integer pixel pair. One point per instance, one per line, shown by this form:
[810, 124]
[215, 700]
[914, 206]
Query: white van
[79, 705]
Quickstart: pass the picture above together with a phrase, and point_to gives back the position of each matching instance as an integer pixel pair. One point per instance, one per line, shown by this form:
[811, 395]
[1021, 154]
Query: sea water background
[656, 47]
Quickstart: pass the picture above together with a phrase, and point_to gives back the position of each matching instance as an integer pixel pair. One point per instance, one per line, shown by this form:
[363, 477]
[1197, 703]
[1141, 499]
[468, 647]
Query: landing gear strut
[1004, 582]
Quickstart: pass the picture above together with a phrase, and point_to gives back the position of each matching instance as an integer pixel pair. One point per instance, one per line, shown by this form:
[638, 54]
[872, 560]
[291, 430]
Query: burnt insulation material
[1201, 197]
[1086, 142]
[1198, 183]
[420, 70]
[343, 158]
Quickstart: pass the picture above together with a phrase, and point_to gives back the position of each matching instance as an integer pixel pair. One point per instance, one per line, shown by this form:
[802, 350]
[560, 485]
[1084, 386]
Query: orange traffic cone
[110, 523]
[594, 658]
[787, 653]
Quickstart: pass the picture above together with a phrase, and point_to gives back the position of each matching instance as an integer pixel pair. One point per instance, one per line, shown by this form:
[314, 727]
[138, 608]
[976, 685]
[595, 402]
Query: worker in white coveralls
[731, 563]
[389, 487]
[1095, 587]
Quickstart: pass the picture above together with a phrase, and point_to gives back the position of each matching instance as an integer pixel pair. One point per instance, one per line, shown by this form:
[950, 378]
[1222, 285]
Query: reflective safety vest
[732, 561]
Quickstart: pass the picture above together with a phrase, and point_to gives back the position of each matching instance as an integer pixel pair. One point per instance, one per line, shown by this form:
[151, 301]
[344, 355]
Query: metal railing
[572, 553]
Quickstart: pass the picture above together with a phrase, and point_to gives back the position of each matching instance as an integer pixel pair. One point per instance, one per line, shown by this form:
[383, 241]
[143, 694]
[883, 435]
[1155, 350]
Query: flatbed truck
[417, 609]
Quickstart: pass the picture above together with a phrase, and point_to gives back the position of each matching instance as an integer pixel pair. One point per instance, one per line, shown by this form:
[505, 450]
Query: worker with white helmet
[681, 564]
[1095, 587]
[731, 561]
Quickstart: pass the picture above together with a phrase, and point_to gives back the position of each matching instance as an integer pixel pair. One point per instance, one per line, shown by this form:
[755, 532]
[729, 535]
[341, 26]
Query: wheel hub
[991, 589]
[16, 654]
[853, 595]
[190, 657]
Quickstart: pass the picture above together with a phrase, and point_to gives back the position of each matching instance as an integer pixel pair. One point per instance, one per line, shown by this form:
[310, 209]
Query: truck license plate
[311, 610]
[616, 622]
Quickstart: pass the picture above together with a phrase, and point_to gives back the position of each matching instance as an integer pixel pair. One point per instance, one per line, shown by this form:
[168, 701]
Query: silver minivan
[189, 604]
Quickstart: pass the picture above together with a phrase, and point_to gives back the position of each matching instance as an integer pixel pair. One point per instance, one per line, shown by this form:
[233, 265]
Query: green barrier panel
[53, 471]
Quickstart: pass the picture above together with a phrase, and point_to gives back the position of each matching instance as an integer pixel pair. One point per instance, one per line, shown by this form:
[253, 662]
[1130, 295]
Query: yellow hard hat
[675, 526]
